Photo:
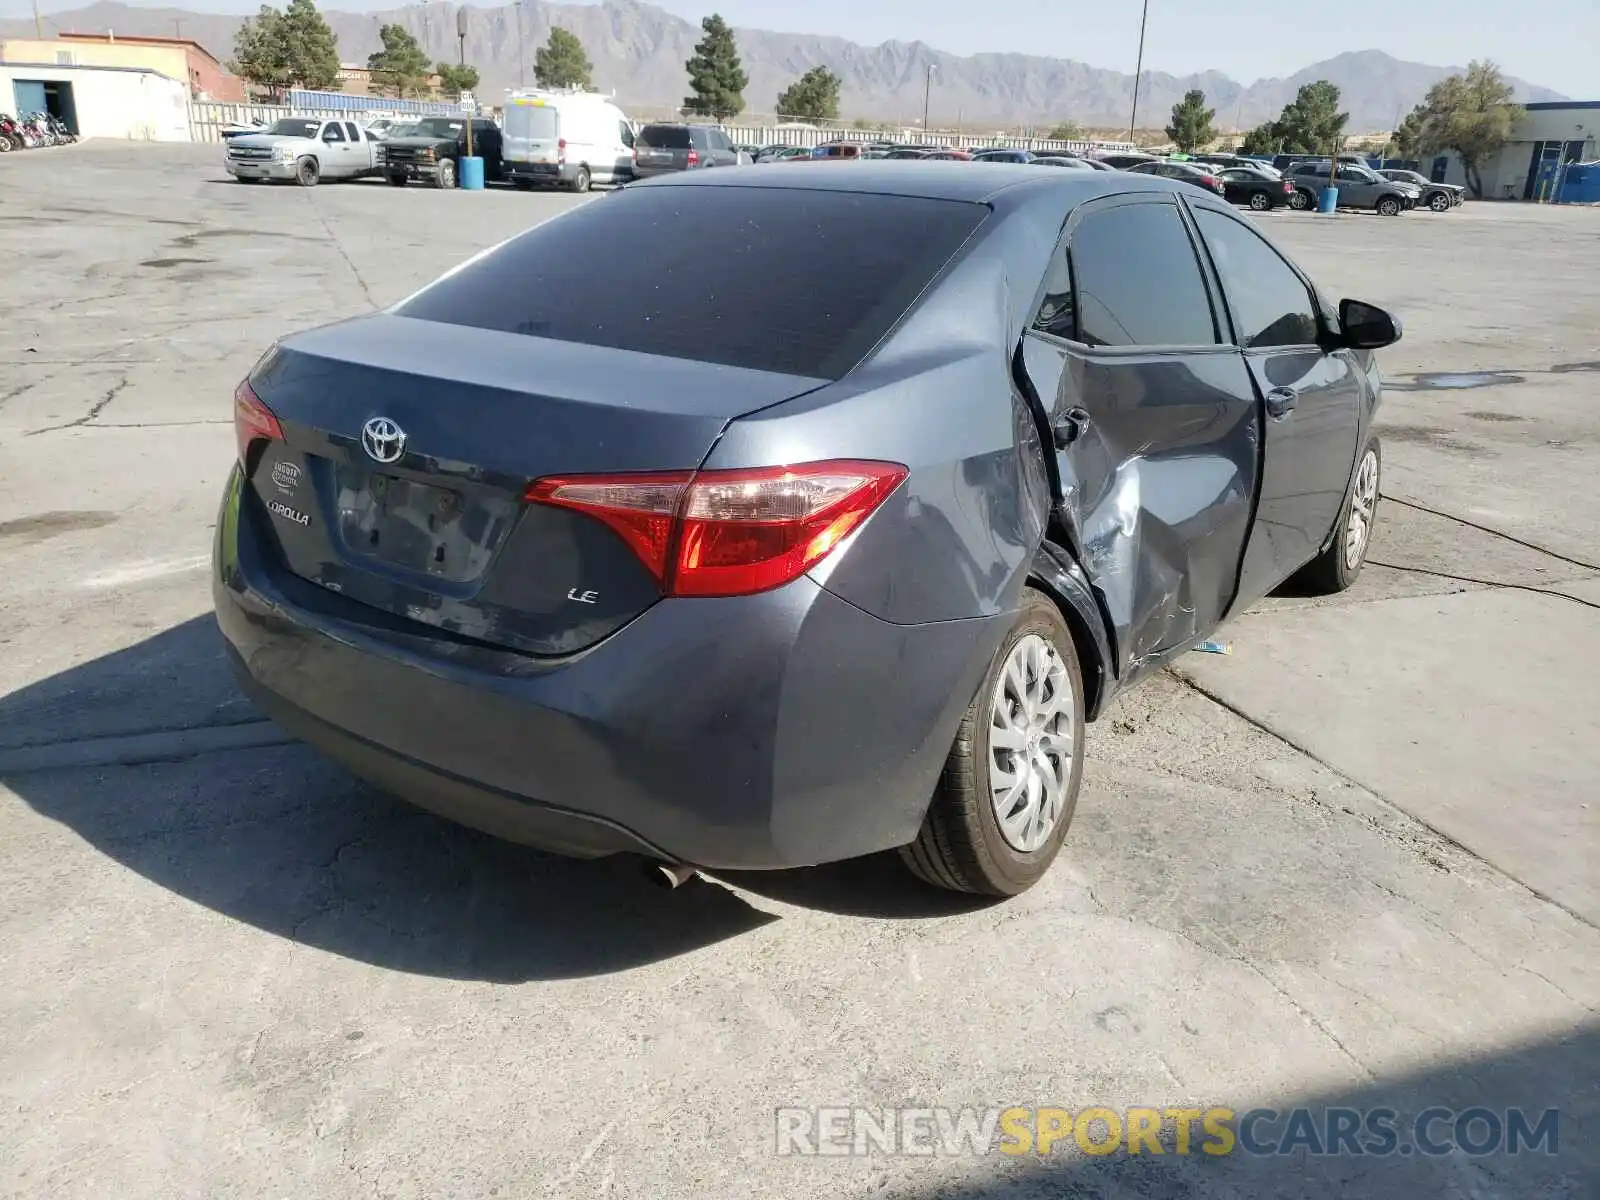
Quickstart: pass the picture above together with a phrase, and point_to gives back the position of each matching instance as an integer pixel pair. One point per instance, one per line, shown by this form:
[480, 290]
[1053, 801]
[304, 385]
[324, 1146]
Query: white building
[106, 102]
[1551, 132]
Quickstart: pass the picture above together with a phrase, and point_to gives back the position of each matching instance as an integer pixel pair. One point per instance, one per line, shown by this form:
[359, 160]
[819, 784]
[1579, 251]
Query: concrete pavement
[229, 968]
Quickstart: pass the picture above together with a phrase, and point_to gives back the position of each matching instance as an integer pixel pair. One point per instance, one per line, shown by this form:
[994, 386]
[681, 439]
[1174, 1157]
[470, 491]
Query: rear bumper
[548, 174]
[769, 731]
[646, 171]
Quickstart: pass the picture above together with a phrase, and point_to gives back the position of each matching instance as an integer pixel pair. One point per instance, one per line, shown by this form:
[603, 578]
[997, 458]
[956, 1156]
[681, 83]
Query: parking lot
[1352, 863]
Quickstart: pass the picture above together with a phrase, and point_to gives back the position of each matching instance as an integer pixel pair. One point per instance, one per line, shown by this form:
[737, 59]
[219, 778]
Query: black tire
[446, 178]
[245, 179]
[397, 180]
[581, 181]
[1335, 569]
[1260, 201]
[307, 172]
[1299, 201]
[1440, 202]
[1389, 206]
[961, 846]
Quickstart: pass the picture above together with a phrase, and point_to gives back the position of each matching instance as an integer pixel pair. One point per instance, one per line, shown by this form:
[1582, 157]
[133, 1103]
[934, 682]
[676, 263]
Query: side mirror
[1366, 326]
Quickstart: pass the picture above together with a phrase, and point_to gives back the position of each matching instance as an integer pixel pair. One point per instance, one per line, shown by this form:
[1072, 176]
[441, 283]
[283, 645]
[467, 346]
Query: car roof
[931, 179]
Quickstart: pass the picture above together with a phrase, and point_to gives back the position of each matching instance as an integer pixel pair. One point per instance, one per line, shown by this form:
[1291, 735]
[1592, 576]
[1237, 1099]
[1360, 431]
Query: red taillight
[730, 533]
[252, 420]
[1211, 181]
[561, 149]
[694, 157]
[1288, 188]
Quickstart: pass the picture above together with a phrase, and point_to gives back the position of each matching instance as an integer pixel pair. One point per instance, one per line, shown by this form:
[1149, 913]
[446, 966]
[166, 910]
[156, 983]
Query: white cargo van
[568, 138]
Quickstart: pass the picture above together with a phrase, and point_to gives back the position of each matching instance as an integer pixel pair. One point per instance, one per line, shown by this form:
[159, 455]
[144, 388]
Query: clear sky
[1555, 43]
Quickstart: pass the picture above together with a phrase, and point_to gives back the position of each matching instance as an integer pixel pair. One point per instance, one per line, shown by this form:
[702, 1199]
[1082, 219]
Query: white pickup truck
[304, 149]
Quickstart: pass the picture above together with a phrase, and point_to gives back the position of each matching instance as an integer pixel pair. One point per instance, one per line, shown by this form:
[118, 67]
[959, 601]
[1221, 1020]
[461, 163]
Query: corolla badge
[383, 440]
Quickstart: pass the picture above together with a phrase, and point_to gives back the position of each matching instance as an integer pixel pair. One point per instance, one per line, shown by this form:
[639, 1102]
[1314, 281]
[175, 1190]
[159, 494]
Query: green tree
[716, 79]
[1473, 115]
[1067, 131]
[1263, 139]
[1408, 141]
[401, 66]
[280, 50]
[261, 53]
[812, 97]
[1312, 123]
[1191, 125]
[453, 78]
[562, 62]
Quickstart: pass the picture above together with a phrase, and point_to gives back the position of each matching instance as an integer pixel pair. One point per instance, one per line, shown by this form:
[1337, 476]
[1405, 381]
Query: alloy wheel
[1259, 201]
[1363, 503]
[1030, 743]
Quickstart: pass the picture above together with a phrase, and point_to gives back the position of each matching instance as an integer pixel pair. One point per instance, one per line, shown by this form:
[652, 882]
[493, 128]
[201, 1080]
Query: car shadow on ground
[1560, 1072]
[280, 838]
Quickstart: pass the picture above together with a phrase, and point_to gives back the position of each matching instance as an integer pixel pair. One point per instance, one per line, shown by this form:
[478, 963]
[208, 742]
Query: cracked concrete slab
[230, 969]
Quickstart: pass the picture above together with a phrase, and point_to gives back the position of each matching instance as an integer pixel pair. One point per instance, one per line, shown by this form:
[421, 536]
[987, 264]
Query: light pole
[522, 66]
[1138, 70]
[927, 95]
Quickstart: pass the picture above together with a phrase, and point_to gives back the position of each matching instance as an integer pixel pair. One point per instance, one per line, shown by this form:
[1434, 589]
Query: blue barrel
[1328, 201]
[472, 174]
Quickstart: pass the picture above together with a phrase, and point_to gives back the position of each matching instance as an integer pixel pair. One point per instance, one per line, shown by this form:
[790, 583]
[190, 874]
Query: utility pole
[177, 27]
[1138, 70]
[38, 25]
[461, 37]
[927, 95]
[522, 66]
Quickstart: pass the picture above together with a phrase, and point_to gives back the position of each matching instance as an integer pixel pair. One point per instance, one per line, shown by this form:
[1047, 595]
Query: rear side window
[333, 133]
[665, 137]
[1138, 281]
[800, 282]
[1270, 304]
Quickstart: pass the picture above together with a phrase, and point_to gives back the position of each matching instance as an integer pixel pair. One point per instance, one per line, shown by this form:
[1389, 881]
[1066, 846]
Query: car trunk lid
[407, 448]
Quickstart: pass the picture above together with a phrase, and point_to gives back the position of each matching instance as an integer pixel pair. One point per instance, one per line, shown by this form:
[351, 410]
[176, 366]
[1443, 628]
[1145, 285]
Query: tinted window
[1139, 283]
[1354, 174]
[1270, 304]
[294, 127]
[333, 133]
[665, 137]
[351, 131]
[803, 282]
[1057, 315]
[440, 127]
[625, 133]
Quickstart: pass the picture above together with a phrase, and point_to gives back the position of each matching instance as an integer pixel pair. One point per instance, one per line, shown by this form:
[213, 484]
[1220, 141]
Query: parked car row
[576, 139]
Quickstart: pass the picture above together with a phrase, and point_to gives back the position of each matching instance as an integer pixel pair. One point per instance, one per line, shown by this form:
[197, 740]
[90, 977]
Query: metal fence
[206, 119]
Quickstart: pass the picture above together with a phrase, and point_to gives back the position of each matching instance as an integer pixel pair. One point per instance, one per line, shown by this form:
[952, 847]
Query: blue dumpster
[472, 174]
[1328, 201]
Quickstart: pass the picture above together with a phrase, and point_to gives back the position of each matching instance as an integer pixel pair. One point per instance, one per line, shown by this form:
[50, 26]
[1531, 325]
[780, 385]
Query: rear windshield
[799, 282]
[666, 137]
[531, 121]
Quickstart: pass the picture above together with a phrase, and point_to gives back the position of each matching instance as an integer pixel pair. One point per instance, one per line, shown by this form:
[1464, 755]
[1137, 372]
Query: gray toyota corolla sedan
[762, 518]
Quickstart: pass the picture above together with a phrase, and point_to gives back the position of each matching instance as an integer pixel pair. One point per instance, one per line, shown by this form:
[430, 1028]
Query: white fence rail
[206, 119]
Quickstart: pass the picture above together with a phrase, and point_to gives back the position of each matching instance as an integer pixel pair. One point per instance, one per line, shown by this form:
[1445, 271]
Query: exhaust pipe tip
[670, 875]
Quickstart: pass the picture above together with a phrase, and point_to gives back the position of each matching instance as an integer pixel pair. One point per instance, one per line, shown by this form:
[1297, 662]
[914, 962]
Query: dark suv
[435, 150]
[1359, 187]
[662, 148]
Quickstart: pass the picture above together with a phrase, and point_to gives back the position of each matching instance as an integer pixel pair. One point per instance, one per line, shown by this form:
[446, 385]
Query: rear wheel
[1260, 201]
[307, 172]
[1336, 568]
[1010, 783]
[1389, 206]
[397, 181]
[581, 181]
[1299, 201]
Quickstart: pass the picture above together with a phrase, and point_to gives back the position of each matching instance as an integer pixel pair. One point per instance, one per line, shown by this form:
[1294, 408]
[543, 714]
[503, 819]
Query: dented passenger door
[1154, 422]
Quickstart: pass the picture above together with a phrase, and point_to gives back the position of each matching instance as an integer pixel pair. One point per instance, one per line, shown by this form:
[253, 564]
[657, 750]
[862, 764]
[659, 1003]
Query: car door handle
[1281, 402]
[1069, 427]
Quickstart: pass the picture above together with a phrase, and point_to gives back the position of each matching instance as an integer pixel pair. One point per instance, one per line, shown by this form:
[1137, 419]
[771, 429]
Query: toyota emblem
[383, 440]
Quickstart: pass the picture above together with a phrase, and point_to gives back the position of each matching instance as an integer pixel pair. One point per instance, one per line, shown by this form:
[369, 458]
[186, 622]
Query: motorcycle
[41, 129]
[10, 138]
[58, 127]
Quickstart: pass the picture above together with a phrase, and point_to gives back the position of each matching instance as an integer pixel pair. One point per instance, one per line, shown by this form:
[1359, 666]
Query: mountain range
[638, 50]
